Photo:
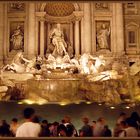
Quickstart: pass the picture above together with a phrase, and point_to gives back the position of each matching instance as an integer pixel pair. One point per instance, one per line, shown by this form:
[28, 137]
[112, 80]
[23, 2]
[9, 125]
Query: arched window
[132, 35]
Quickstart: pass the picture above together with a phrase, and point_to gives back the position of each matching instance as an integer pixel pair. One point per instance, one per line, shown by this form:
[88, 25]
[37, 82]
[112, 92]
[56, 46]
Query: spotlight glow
[63, 103]
[30, 102]
[88, 102]
[41, 102]
[112, 107]
[127, 107]
[77, 102]
[20, 103]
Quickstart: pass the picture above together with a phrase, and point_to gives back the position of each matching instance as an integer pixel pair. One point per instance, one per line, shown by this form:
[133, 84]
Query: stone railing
[71, 138]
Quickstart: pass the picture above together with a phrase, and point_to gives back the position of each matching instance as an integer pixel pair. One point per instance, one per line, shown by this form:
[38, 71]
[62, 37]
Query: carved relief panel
[103, 33]
[101, 6]
[16, 38]
[130, 8]
[16, 7]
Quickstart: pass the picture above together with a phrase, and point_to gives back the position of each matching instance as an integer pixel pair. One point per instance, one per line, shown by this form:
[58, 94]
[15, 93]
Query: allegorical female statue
[103, 37]
[17, 39]
[58, 41]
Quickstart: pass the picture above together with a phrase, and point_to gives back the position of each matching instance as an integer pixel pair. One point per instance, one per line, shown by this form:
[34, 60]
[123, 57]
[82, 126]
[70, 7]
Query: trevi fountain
[77, 65]
[57, 77]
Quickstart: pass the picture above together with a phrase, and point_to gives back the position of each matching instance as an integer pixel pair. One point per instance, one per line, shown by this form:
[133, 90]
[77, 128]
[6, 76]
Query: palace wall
[111, 29]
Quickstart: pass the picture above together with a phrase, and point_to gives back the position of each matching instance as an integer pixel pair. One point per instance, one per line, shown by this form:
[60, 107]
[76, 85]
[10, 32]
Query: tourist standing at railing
[122, 117]
[98, 131]
[45, 132]
[13, 126]
[86, 130]
[29, 128]
[119, 124]
[4, 129]
[93, 126]
[136, 119]
[62, 130]
[107, 132]
[130, 130]
[54, 129]
[71, 130]
[122, 126]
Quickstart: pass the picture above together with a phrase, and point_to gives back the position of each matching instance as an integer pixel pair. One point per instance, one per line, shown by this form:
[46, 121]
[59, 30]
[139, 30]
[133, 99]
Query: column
[37, 36]
[77, 47]
[87, 28]
[114, 31]
[42, 37]
[5, 41]
[31, 30]
[82, 36]
[71, 34]
[48, 32]
[2, 32]
[120, 28]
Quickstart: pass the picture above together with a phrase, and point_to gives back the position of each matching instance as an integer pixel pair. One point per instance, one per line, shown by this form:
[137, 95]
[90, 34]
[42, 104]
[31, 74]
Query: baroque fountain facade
[71, 55]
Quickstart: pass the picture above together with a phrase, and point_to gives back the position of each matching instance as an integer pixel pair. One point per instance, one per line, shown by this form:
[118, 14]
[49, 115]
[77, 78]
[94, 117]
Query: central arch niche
[60, 13]
[59, 9]
[64, 13]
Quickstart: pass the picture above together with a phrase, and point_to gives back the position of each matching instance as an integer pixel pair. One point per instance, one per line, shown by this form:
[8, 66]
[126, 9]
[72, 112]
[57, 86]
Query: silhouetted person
[121, 118]
[122, 127]
[4, 129]
[62, 130]
[93, 126]
[99, 128]
[45, 132]
[107, 132]
[86, 130]
[136, 119]
[130, 130]
[28, 128]
[13, 126]
[71, 131]
[36, 119]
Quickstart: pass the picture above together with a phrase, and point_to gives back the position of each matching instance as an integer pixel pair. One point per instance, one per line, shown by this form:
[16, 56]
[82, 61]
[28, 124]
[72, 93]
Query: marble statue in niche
[17, 39]
[57, 39]
[59, 44]
[18, 6]
[103, 36]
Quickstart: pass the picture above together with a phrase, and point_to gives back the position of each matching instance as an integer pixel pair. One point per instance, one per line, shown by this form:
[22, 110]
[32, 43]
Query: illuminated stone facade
[111, 29]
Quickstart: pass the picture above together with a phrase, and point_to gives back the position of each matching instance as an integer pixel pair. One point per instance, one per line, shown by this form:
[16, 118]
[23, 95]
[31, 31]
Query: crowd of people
[125, 126]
